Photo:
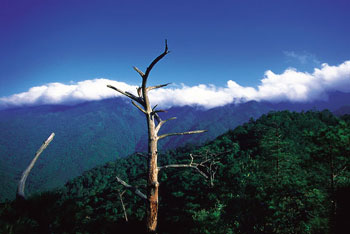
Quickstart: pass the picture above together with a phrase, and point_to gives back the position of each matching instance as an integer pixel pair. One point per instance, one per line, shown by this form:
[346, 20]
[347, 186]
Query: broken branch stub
[22, 182]
[132, 188]
[181, 133]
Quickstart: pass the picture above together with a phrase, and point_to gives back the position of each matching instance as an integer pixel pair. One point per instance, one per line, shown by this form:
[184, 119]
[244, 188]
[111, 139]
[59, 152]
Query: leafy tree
[331, 159]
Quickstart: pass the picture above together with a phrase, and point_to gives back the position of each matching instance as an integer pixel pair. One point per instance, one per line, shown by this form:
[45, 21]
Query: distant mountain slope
[342, 111]
[270, 175]
[94, 133]
[86, 135]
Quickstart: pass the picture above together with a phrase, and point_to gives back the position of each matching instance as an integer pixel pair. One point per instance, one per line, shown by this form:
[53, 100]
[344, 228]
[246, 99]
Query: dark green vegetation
[93, 133]
[283, 173]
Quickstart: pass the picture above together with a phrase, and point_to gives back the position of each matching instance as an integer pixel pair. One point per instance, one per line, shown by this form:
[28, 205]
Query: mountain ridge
[92, 133]
[270, 174]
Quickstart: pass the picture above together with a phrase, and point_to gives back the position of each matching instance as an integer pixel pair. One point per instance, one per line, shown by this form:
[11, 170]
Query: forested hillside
[285, 172]
[93, 133]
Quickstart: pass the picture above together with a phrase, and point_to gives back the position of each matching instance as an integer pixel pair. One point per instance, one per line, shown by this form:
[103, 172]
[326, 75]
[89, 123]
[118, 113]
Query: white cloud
[56, 93]
[296, 86]
[291, 85]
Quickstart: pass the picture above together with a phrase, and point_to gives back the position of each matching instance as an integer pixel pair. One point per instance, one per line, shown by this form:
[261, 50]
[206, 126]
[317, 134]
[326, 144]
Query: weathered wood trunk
[152, 188]
[21, 185]
[152, 182]
[142, 103]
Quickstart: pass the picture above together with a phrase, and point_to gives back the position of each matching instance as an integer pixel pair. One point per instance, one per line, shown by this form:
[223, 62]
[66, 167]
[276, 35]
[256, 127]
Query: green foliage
[282, 173]
[93, 133]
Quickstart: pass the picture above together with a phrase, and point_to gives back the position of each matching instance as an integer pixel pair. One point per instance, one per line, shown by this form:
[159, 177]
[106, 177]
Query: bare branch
[154, 107]
[207, 167]
[209, 164]
[139, 71]
[129, 95]
[190, 165]
[139, 91]
[21, 184]
[181, 133]
[155, 113]
[157, 86]
[157, 117]
[159, 111]
[132, 188]
[160, 124]
[138, 107]
[123, 206]
[145, 77]
[156, 60]
[184, 165]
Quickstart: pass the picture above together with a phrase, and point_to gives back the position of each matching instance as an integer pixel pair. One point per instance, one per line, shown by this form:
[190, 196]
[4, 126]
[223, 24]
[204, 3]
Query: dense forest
[285, 172]
[93, 133]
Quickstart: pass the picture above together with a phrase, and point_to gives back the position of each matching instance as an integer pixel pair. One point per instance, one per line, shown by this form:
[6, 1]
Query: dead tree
[154, 123]
[123, 206]
[21, 185]
[206, 165]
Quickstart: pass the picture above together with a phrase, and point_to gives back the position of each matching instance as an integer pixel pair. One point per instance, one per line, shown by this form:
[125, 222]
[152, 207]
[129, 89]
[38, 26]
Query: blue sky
[211, 42]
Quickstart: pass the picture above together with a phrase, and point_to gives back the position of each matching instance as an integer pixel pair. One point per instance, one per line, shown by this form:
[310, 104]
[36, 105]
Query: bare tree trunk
[143, 104]
[21, 185]
[152, 183]
[123, 206]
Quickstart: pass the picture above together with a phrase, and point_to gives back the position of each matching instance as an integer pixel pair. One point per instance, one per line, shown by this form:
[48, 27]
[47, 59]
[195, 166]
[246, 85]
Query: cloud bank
[291, 85]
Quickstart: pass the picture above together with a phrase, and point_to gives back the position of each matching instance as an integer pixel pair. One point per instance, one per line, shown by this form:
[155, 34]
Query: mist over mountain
[93, 133]
[289, 86]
